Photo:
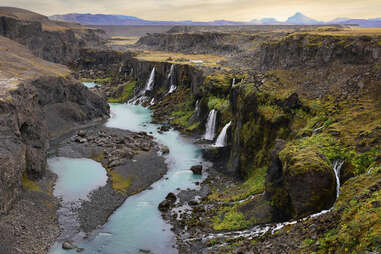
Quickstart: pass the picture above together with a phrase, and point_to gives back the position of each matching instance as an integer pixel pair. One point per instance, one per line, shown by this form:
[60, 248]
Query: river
[137, 224]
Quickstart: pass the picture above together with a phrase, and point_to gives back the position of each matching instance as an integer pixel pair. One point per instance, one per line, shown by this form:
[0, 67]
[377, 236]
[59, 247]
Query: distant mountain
[300, 19]
[297, 19]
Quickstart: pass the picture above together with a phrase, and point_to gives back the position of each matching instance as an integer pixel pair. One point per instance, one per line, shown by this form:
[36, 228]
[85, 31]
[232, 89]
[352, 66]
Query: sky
[207, 10]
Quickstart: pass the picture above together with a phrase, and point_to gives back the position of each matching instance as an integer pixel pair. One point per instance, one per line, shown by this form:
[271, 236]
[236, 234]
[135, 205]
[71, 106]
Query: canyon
[289, 119]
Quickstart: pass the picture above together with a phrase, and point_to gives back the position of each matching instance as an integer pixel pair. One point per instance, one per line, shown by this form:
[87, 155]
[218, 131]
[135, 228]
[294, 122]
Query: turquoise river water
[137, 224]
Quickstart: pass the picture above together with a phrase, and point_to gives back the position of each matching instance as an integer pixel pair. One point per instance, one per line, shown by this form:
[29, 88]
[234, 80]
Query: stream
[137, 225]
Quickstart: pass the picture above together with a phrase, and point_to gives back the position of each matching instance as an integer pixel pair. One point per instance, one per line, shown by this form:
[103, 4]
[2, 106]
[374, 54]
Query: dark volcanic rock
[165, 205]
[53, 41]
[197, 169]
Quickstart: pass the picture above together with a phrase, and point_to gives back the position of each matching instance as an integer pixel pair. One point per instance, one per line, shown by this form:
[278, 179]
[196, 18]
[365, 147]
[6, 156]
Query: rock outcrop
[304, 50]
[38, 100]
[53, 41]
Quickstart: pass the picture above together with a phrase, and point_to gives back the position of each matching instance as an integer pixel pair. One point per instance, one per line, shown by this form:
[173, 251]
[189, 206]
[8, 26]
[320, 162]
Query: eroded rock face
[316, 51]
[30, 115]
[299, 182]
[55, 43]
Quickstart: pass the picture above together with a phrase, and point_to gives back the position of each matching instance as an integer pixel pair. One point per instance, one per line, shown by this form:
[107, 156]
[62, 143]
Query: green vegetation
[359, 228]
[220, 104]
[127, 92]
[229, 219]
[29, 184]
[98, 157]
[271, 112]
[255, 184]
[103, 80]
[120, 183]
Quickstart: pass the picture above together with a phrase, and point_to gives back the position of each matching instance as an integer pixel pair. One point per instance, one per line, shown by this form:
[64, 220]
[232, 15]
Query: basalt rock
[197, 169]
[38, 101]
[57, 42]
[299, 182]
[319, 50]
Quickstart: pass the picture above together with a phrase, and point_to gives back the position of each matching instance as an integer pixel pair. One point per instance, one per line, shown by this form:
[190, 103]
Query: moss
[120, 183]
[193, 127]
[359, 228]
[298, 160]
[271, 112]
[379, 42]
[255, 184]
[29, 184]
[103, 80]
[220, 104]
[127, 93]
[229, 219]
[98, 157]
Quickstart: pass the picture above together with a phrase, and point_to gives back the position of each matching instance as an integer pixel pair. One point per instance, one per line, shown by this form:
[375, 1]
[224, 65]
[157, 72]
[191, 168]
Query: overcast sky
[206, 10]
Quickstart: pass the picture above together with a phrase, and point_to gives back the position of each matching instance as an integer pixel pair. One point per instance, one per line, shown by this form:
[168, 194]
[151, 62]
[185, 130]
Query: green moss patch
[119, 183]
[127, 93]
[29, 184]
[229, 219]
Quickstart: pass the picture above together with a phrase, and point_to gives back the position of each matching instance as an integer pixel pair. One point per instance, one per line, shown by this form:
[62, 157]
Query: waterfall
[151, 81]
[172, 87]
[152, 102]
[140, 97]
[221, 139]
[211, 125]
[337, 165]
[197, 106]
[233, 82]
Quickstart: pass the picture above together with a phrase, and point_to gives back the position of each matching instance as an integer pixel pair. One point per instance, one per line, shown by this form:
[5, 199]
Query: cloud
[205, 10]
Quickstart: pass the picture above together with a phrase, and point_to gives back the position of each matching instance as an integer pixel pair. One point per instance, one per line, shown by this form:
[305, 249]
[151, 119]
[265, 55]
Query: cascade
[221, 139]
[172, 87]
[211, 125]
[337, 165]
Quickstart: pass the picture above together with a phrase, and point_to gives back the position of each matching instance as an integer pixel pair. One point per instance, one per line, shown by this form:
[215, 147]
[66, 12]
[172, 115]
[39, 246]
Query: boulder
[197, 169]
[165, 205]
[164, 149]
[171, 197]
[82, 133]
[299, 182]
[68, 245]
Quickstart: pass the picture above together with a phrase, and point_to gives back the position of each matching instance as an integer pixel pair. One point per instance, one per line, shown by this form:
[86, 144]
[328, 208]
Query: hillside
[53, 41]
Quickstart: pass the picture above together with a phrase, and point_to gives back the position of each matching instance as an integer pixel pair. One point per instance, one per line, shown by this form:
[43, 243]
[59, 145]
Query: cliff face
[57, 42]
[200, 43]
[306, 50]
[38, 100]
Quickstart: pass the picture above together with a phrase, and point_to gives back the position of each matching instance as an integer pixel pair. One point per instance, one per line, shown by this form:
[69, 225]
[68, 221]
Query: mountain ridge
[297, 19]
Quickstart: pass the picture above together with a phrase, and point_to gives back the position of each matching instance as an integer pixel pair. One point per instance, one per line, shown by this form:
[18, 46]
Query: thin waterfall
[172, 87]
[210, 132]
[222, 138]
[140, 97]
[233, 82]
[151, 81]
[337, 165]
[152, 102]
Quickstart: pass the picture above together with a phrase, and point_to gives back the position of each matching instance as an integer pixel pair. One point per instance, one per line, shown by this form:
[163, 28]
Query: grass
[119, 183]
[171, 57]
[29, 184]
[255, 184]
[359, 228]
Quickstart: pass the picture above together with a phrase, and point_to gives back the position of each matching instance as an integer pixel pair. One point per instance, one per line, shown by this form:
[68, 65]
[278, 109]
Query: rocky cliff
[38, 101]
[57, 42]
[311, 50]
